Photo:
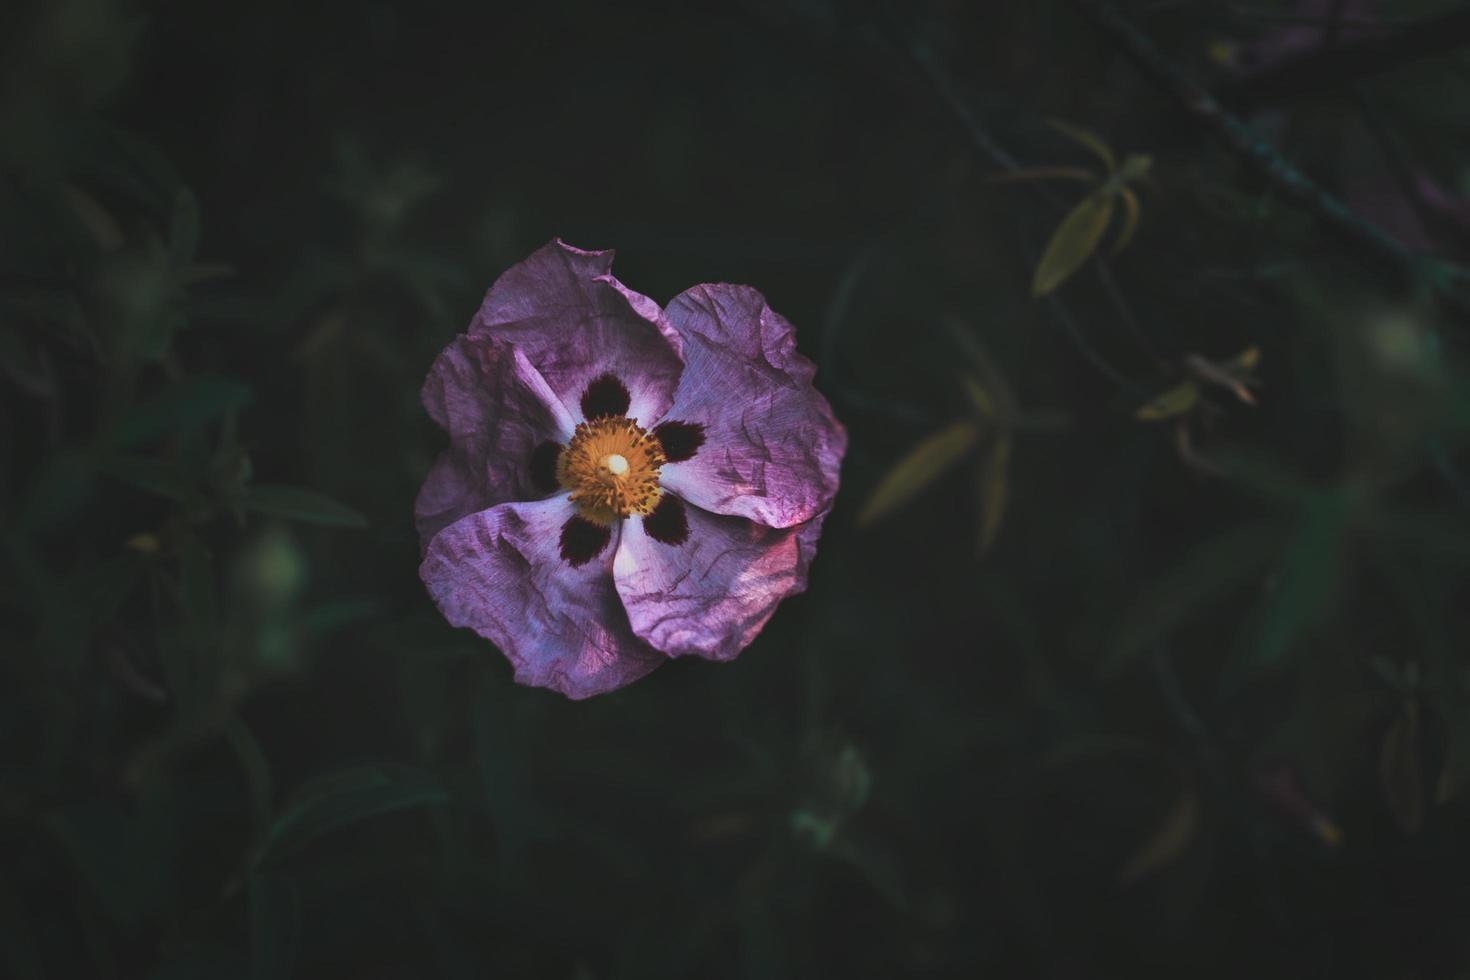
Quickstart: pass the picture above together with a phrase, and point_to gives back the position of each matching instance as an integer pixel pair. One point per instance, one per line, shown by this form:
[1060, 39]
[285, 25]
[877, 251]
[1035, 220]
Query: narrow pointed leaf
[1168, 841]
[344, 798]
[1130, 219]
[1246, 360]
[994, 490]
[980, 399]
[1088, 139]
[1073, 243]
[925, 463]
[997, 390]
[1176, 401]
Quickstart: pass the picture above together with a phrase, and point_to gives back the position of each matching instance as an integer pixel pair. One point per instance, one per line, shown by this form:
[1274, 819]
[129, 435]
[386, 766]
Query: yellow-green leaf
[979, 397]
[1130, 219]
[921, 467]
[1074, 241]
[1176, 401]
[1246, 360]
[1087, 138]
[994, 489]
[1164, 846]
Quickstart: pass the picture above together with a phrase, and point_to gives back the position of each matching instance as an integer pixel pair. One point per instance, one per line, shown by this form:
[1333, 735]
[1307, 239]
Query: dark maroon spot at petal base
[605, 396]
[543, 466]
[668, 524]
[582, 540]
[681, 440]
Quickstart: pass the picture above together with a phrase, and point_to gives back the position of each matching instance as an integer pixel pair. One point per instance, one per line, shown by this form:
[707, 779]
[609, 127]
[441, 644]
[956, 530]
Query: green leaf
[344, 798]
[1209, 571]
[1176, 401]
[184, 405]
[925, 463]
[275, 926]
[994, 490]
[1073, 243]
[1088, 139]
[300, 504]
[1168, 841]
[990, 392]
[1130, 219]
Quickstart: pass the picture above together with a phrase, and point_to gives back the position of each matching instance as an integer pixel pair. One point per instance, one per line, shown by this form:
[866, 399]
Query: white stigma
[616, 464]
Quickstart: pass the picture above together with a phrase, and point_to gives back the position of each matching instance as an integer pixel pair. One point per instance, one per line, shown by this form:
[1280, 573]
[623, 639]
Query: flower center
[611, 467]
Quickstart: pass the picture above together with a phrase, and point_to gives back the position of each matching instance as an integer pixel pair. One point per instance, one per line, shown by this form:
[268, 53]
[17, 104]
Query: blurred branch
[1260, 156]
[1334, 65]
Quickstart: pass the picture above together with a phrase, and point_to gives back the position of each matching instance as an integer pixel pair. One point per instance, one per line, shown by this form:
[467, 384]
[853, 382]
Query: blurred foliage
[1134, 647]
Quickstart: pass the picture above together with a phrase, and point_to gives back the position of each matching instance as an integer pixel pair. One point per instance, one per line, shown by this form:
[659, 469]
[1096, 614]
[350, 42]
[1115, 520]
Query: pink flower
[623, 484]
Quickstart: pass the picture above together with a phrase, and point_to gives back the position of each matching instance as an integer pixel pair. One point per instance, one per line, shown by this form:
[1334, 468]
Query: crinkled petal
[497, 409]
[562, 626]
[772, 447]
[576, 323]
[710, 595]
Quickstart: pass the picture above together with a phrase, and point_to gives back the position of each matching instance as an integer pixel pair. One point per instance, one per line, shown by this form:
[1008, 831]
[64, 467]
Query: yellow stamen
[611, 467]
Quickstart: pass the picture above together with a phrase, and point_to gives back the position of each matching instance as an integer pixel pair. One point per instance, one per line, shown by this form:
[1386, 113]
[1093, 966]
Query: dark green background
[237, 740]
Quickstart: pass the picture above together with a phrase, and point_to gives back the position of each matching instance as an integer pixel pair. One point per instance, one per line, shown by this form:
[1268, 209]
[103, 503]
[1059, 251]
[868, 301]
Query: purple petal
[710, 595]
[576, 323]
[562, 626]
[497, 410]
[772, 447]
